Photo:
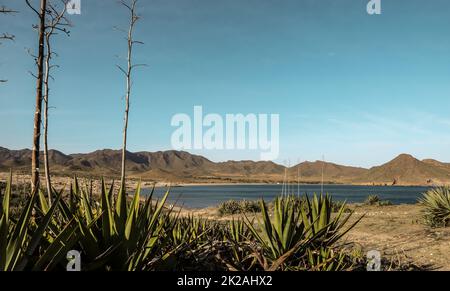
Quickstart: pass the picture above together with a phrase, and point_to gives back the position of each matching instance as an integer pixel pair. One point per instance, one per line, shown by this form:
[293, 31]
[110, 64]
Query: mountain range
[183, 167]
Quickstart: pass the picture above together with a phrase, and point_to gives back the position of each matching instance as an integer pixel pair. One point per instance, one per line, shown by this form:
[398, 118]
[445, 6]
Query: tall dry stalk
[128, 72]
[56, 22]
[50, 22]
[41, 13]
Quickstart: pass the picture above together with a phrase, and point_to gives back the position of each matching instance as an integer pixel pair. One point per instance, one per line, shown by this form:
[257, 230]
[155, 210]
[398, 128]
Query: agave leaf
[107, 217]
[88, 240]
[4, 227]
[121, 209]
[18, 237]
[102, 260]
[4, 223]
[86, 207]
[130, 224]
[37, 235]
[158, 209]
[43, 202]
[65, 210]
[267, 228]
[288, 229]
[134, 212]
[6, 198]
[62, 243]
[324, 212]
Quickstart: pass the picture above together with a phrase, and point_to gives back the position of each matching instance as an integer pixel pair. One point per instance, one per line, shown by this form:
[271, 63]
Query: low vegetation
[116, 232]
[233, 207]
[336, 206]
[374, 200]
[436, 207]
[301, 236]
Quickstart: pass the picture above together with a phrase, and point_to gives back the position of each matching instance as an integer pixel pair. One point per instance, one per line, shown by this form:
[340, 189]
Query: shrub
[372, 200]
[436, 207]
[230, 207]
[385, 203]
[233, 207]
[250, 206]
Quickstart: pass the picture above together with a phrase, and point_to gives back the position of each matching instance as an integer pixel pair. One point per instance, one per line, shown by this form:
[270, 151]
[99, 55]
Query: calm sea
[205, 196]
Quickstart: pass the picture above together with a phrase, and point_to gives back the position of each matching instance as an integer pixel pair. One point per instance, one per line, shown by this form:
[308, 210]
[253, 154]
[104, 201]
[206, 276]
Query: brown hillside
[179, 166]
[406, 170]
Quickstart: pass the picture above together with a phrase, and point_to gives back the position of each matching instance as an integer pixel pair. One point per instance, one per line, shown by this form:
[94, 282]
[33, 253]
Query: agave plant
[197, 242]
[240, 254]
[237, 231]
[115, 234]
[372, 200]
[188, 229]
[327, 259]
[436, 207]
[296, 230]
[317, 217]
[282, 235]
[20, 240]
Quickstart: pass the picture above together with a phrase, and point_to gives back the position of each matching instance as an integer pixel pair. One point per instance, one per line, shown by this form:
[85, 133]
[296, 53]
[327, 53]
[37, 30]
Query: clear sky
[356, 88]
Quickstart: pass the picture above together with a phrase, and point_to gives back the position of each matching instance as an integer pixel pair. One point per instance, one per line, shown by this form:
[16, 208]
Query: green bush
[230, 207]
[436, 207]
[385, 203]
[250, 206]
[233, 207]
[374, 200]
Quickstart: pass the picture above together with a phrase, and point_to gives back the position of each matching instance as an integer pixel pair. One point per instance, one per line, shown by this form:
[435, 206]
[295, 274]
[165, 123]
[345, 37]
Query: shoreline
[134, 179]
[162, 184]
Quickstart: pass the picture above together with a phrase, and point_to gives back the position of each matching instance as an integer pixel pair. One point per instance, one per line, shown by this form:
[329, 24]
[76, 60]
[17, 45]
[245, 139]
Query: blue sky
[358, 89]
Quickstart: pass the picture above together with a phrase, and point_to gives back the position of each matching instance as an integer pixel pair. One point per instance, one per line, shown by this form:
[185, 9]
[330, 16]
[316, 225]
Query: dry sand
[397, 231]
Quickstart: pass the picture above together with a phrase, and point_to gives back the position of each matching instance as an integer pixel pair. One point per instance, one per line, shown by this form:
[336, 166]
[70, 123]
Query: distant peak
[405, 157]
